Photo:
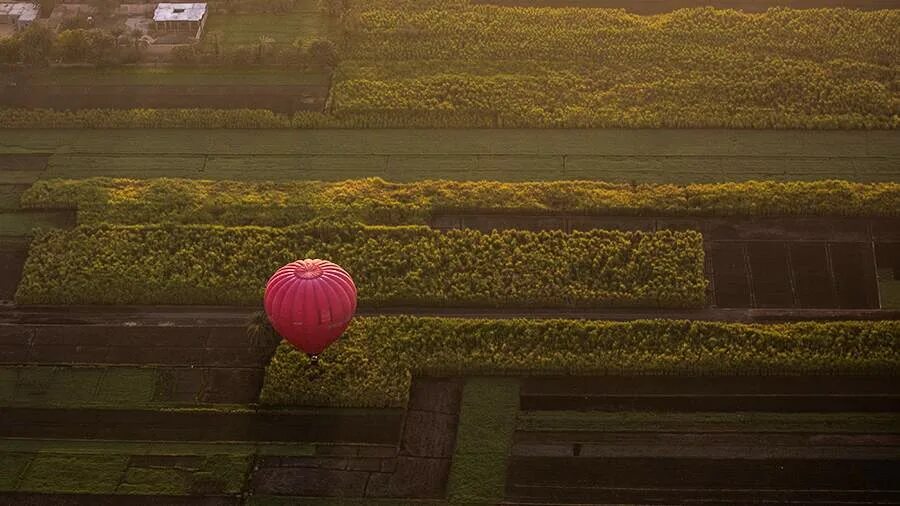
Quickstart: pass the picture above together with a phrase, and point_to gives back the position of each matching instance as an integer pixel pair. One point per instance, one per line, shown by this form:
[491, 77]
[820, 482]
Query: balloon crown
[307, 269]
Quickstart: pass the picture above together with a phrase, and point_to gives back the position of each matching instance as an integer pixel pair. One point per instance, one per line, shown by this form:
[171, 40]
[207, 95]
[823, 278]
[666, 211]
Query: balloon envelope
[310, 303]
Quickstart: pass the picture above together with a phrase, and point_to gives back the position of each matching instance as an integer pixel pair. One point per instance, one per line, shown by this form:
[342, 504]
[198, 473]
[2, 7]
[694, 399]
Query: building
[19, 14]
[186, 18]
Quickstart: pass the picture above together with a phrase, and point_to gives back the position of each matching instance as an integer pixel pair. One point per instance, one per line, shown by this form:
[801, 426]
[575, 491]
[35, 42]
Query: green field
[889, 289]
[22, 223]
[661, 155]
[42, 386]
[247, 29]
[163, 76]
[122, 467]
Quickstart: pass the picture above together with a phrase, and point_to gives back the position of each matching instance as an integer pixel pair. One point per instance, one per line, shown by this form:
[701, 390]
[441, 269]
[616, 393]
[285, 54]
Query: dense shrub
[392, 266]
[375, 201]
[372, 363]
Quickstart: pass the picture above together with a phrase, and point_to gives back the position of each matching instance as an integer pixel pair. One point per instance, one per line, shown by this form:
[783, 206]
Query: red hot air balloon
[310, 303]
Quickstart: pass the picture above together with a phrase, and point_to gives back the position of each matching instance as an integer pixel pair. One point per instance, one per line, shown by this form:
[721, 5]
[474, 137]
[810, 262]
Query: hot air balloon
[310, 303]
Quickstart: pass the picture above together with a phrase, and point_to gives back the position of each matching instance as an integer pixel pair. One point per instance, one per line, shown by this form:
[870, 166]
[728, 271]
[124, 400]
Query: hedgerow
[375, 201]
[412, 265]
[569, 67]
[371, 365]
[229, 118]
[161, 118]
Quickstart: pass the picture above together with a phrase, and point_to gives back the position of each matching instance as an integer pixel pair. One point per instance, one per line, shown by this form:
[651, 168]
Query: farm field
[284, 29]
[662, 156]
[497, 66]
[596, 258]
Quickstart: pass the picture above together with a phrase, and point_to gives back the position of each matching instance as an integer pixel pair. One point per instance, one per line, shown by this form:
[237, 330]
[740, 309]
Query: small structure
[189, 18]
[20, 14]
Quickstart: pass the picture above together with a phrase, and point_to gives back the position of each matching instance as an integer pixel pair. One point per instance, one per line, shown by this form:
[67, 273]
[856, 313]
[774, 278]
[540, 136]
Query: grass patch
[246, 29]
[223, 475]
[12, 466]
[660, 155]
[24, 222]
[155, 481]
[113, 447]
[10, 193]
[597, 421]
[486, 425]
[49, 386]
[129, 467]
[82, 474]
[889, 289]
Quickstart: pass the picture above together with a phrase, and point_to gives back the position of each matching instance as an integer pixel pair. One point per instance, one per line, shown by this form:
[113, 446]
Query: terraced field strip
[528, 154]
[684, 439]
[532, 423]
[809, 393]
[227, 315]
[173, 423]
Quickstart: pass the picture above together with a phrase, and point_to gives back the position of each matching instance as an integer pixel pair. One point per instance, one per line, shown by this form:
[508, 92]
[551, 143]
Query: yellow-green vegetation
[452, 64]
[407, 265]
[375, 201]
[373, 363]
[487, 420]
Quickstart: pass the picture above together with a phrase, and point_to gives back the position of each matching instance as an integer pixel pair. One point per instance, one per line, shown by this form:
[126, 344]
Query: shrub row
[375, 201]
[411, 265]
[161, 118]
[546, 67]
[371, 365]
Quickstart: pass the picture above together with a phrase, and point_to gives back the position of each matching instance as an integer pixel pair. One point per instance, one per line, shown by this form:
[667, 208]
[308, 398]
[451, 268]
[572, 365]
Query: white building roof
[179, 12]
[20, 10]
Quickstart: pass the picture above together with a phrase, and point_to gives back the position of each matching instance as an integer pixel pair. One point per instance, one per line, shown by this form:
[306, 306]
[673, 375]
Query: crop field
[658, 156]
[660, 6]
[513, 67]
[283, 29]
